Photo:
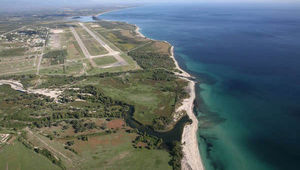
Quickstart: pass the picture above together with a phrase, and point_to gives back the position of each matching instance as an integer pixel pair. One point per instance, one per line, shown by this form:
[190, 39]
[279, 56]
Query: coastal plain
[84, 95]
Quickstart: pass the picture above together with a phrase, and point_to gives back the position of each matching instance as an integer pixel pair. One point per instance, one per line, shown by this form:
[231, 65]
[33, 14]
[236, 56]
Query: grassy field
[74, 51]
[132, 65]
[75, 57]
[115, 151]
[150, 102]
[17, 156]
[90, 124]
[70, 68]
[105, 60]
[108, 151]
[152, 99]
[14, 64]
[91, 44]
[15, 59]
[122, 35]
[13, 52]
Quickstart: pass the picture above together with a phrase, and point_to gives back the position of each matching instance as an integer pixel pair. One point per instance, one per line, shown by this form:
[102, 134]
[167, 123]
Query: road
[41, 56]
[14, 30]
[81, 44]
[49, 147]
[111, 52]
[85, 51]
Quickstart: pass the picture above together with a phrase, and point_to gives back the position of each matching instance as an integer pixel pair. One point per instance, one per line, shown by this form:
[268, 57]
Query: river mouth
[168, 137]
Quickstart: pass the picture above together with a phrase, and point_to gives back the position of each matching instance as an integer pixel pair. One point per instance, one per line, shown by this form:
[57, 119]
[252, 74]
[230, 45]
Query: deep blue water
[247, 60]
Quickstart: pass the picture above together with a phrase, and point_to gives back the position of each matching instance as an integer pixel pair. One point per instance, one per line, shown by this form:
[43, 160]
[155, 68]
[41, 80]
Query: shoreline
[137, 31]
[190, 149]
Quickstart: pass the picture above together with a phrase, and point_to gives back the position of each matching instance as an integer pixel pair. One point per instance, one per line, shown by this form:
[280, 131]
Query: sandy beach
[191, 159]
[191, 156]
[137, 30]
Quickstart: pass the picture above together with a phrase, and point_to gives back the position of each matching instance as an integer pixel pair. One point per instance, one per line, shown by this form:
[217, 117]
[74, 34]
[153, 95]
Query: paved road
[111, 52]
[83, 47]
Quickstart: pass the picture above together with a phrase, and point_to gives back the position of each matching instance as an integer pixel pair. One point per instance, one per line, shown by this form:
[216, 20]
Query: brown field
[116, 124]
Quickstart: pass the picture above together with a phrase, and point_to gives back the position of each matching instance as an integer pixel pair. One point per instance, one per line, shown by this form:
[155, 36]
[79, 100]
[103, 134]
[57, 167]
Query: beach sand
[191, 155]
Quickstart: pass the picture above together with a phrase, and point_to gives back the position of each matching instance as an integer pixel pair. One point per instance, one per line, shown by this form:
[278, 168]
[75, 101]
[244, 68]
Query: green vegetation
[17, 156]
[105, 60]
[92, 122]
[115, 150]
[115, 25]
[149, 58]
[56, 56]
[49, 155]
[122, 35]
[91, 44]
[154, 94]
[13, 52]
[147, 141]
[177, 155]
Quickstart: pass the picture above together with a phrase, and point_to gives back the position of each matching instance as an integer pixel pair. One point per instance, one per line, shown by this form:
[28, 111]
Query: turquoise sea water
[247, 60]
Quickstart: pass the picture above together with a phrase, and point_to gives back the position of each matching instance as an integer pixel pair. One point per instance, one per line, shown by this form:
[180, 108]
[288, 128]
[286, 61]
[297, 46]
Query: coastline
[137, 31]
[190, 149]
[191, 155]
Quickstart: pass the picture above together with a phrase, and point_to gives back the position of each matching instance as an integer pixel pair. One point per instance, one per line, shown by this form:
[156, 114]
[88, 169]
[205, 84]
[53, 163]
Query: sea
[246, 58]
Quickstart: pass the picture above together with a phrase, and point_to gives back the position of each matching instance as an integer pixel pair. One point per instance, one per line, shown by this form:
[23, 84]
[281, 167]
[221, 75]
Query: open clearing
[17, 156]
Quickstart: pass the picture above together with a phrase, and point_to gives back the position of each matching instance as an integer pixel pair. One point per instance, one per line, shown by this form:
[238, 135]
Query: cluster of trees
[24, 79]
[123, 41]
[68, 145]
[56, 56]
[43, 112]
[176, 153]
[50, 156]
[42, 151]
[83, 137]
[161, 122]
[151, 142]
[160, 74]
[147, 58]
[70, 149]
[28, 32]
[81, 127]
